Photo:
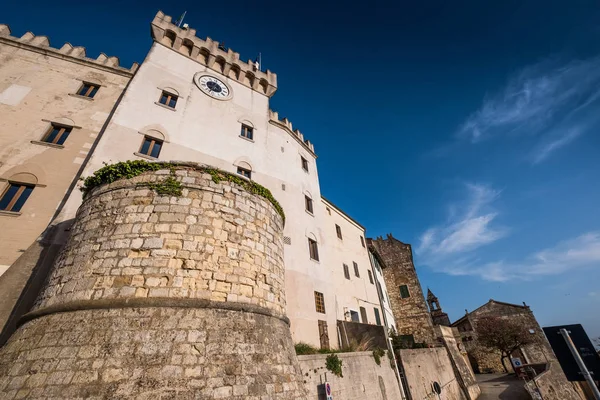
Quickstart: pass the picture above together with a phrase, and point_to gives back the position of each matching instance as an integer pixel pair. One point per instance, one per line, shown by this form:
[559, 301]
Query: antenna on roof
[258, 62]
[180, 20]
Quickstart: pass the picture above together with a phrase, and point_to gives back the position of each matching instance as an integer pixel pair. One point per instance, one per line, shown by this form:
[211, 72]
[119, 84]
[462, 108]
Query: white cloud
[543, 95]
[469, 227]
[543, 151]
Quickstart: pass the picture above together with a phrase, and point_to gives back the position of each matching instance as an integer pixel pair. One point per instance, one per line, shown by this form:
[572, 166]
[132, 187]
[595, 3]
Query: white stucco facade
[204, 129]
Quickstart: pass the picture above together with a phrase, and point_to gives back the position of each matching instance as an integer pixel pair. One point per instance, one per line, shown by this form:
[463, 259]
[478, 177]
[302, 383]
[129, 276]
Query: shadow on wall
[22, 282]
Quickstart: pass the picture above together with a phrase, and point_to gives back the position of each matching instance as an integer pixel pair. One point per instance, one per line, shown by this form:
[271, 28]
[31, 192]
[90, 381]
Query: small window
[88, 90]
[356, 270]
[151, 146]
[404, 293]
[363, 314]
[247, 132]
[304, 163]
[362, 241]
[346, 272]
[244, 172]
[15, 196]
[370, 276]
[377, 317]
[57, 134]
[338, 230]
[328, 210]
[313, 249]
[309, 204]
[319, 302]
[354, 316]
[168, 99]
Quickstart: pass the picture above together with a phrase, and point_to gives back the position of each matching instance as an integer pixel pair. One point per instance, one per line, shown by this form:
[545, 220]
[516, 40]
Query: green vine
[334, 364]
[169, 187]
[130, 169]
[377, 354]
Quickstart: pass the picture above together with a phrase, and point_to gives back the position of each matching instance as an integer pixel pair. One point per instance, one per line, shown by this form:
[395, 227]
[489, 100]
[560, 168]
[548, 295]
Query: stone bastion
[162, 296]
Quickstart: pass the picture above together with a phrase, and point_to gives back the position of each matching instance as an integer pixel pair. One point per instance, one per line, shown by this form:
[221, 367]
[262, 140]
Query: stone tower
[406, 296]
[162, 296]
[437, 315]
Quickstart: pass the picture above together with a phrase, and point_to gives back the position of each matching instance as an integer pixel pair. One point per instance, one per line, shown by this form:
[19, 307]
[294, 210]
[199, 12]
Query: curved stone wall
[155, 295]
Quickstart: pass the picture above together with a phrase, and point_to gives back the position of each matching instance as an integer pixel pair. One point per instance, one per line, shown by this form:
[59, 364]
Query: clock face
[213, 87]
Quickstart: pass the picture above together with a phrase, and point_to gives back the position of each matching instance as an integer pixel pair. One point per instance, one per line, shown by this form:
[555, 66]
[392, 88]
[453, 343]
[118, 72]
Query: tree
[501, 334]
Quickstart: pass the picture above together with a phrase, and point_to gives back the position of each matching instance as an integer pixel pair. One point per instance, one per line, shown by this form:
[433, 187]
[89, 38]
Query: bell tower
[437, 315]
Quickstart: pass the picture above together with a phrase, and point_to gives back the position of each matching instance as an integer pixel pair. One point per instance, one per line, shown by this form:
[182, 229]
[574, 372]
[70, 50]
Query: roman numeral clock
[212, 86]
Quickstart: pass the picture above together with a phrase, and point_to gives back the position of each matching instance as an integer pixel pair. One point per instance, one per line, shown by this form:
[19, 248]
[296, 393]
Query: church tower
[437, 315]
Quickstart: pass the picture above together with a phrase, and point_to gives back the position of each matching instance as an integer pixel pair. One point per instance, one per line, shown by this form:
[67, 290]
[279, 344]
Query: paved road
[501, 386]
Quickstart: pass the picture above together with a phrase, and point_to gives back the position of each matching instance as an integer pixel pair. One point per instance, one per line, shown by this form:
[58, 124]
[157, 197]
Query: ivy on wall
[170, 186]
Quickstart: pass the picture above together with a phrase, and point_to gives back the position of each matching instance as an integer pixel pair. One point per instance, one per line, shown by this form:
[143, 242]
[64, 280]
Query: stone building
[173, 295]
[193, 99]
[404, 289]
[438, 317]
[482, 359]
[54, 104]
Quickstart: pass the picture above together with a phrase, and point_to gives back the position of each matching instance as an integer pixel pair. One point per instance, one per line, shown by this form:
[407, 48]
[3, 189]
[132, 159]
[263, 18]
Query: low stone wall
[553, 384]
[423, 367]
[362, 377]
[459, 360]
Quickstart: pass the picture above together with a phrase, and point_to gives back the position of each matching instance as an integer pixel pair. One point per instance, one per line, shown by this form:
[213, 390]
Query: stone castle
[132, 292]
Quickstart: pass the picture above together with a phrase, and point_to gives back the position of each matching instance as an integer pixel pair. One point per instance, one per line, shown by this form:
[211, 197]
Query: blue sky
[468, 129]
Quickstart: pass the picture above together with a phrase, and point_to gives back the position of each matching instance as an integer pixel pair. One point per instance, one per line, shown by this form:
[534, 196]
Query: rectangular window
[57, 134]
[319, 302]
[370, 276]
[88, 90]
[247, 132]
[309, 204]
[362, 241]
[312, 248]
[356, 270]
[377, 317]
[15, 196]
[323, 334]
[363, 315]
[346, 272]
[151, 146]
[304, 163]
[244, 172]
[338, 230]
[404, 293]
[168, 99]
[354, 316]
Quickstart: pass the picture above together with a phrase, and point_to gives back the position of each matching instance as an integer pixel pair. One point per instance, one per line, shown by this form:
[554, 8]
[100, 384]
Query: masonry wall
[411, 314]
[161, 296]
[38, 85]
[552, 385]
[423, 367]
[362, 377]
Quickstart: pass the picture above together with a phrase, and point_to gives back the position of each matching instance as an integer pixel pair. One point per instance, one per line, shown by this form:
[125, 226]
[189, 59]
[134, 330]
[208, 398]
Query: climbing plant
[170, 186]
[334, 364]
[377, 354]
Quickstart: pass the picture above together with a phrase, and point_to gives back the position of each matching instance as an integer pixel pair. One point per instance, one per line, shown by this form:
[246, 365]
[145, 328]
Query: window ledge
[56, 146]
[81, 97]
[317, 261]
[145, 156]
[10, 213]
[163, 106]
[309, 213]
[245, 138]
[305, 170]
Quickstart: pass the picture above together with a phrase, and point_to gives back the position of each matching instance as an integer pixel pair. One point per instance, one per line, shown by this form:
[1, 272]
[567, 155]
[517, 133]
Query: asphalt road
[501, 386]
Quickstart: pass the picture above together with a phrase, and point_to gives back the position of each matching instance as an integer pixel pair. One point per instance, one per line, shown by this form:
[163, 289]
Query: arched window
[186, 47]
[244, 169]
[313, 247]
[17, 187]
[308, 202]
[169, 38]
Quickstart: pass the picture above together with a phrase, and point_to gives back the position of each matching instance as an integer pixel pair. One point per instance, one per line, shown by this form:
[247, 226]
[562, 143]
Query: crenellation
[287, 125]
[212, 54]
[42, 44]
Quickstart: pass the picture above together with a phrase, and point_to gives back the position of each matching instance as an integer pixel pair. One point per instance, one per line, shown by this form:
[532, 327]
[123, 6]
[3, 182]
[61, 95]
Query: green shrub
[304, 348]
[377, 354]
[334, 364]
